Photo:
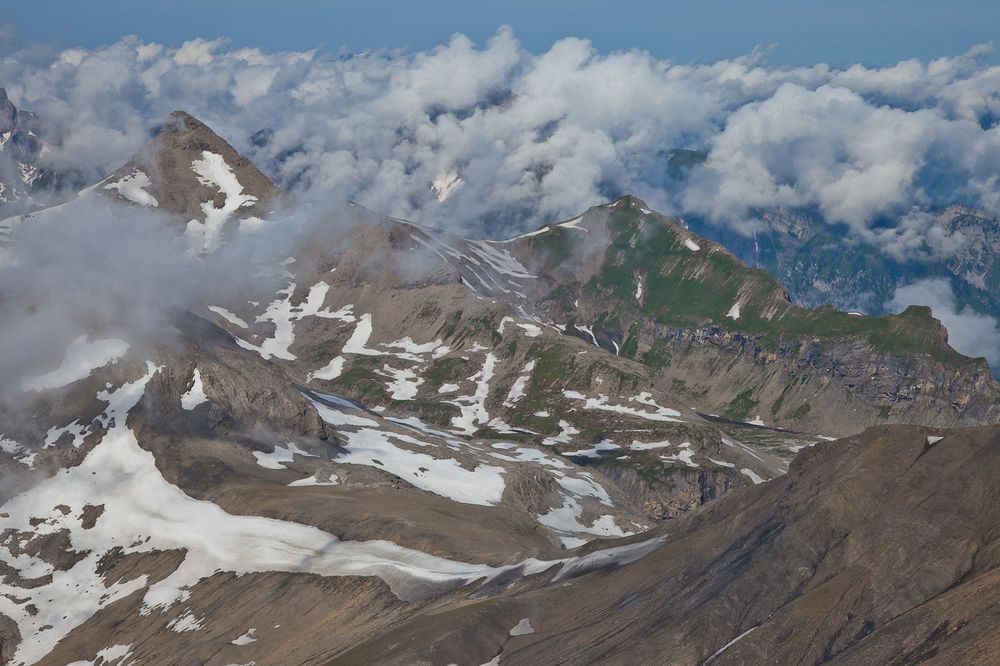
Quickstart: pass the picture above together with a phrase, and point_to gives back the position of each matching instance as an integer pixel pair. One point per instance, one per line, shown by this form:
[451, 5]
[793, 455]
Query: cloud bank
[536, 137]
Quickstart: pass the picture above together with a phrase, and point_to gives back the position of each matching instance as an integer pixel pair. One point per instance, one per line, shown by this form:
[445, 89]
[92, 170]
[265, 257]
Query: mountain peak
[181, 122]
[190, 170]
[8, 112]
[182, 131]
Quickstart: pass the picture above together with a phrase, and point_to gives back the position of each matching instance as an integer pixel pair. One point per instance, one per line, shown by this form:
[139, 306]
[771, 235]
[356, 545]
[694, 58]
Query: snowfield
[132, 187]
[213, 171]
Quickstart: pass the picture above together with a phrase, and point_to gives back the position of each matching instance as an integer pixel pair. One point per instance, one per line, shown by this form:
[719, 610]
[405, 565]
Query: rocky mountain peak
[189, 170]
[20, 145]
[183, 131]
[7, 112]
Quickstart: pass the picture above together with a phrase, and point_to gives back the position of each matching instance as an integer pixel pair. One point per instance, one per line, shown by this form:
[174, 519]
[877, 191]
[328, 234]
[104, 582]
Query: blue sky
[875, 32]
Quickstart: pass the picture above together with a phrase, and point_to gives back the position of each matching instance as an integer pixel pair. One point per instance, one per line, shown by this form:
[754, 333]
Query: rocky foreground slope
[876, 549]
[368, 443]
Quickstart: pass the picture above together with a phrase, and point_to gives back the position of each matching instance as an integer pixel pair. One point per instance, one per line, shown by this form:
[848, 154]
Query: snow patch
[595, 450]
[246, 639]
[331, 370]
[566, 520]
[195, 395]
[317, 480]
[685, 455]
[113, 654]
[517, 389]
[77, 429]
[600, 403]
[404, 385]
[530, 330]
[228, 316]
[21, 453]
[213, 171]
[356, 344]
[573, 224]
[473, 408]
[522, 628]
[283, 315]
[446, 184]
[186, 621]
[649, 446]
[566, 432]
[446, 477]
[82, 357]
[280, 455]
[131, 187]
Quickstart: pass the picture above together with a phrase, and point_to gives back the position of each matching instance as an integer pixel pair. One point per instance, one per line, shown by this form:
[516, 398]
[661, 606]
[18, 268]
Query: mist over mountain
[524, 139]
[480, 356]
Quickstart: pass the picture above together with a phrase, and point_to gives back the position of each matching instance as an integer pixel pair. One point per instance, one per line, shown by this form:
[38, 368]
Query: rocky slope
[875, 549]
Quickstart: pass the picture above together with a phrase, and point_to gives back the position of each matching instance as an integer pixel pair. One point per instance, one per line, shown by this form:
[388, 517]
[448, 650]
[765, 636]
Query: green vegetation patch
[739, 408]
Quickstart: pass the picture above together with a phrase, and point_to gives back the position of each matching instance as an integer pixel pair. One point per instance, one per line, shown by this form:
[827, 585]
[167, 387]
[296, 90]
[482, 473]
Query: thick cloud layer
[540, 136]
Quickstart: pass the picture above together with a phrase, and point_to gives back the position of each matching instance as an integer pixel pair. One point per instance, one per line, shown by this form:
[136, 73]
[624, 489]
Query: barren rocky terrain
[605, 441]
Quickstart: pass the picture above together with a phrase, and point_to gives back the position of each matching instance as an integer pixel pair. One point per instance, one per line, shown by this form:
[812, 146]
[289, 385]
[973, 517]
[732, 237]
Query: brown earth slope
[877, 549]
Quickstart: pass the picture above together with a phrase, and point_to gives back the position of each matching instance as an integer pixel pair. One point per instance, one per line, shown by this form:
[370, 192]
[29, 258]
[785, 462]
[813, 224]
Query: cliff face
[20, 145]
[834, 387]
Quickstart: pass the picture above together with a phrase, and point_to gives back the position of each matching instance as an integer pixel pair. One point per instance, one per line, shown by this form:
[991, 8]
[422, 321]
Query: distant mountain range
[813, 260]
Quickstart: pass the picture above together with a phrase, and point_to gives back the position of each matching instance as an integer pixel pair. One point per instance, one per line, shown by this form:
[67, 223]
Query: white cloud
[536, 137]
[969, 332]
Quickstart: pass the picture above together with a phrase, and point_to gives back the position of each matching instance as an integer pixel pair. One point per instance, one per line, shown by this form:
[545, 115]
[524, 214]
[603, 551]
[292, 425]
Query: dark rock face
[8, 112]
[847, 376]
[20, 145]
